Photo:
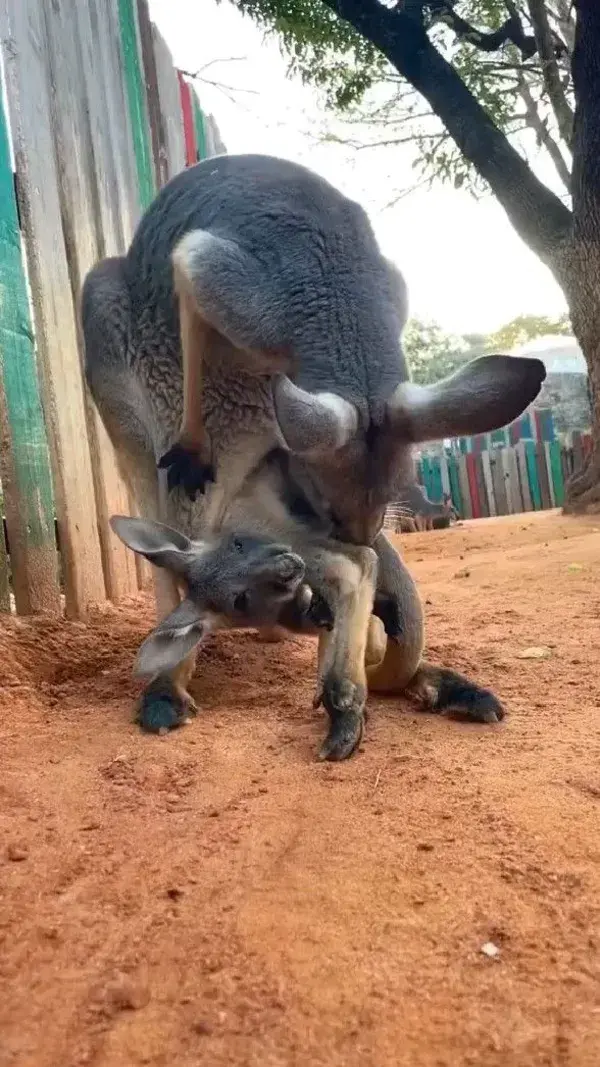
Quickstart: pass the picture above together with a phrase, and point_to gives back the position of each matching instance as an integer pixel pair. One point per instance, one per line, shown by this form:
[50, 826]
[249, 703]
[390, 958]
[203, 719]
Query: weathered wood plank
[544, 484]
[67, 26]
[24, 459]
[150, 77]
[465, 491]
[170, 105]
[136, 99]
[511, 478]
[111, 123]
[523, 476]
[489, 485]
[497, 469]
[25, 49]
[484, 506]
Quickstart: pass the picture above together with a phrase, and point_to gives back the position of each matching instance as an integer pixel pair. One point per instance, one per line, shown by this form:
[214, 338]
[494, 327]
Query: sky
[464, 265]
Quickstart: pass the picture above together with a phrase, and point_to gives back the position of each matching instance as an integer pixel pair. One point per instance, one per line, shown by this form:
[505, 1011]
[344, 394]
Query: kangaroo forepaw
[188, 467]
[164, 706]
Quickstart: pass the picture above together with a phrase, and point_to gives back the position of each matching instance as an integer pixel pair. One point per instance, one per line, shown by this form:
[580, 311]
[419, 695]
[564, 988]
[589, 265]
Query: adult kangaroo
[249, 341]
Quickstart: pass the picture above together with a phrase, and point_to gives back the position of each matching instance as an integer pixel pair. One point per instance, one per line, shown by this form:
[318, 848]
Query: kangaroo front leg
[188, 462]
[346, 580]
[222, 290]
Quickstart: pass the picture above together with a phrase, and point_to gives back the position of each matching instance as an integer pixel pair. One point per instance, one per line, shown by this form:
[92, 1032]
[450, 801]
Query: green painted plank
[200, 128]
[557, 474]
[532, 474]
[436, 479]
[455, 484]
[136, 96]
[26, 476]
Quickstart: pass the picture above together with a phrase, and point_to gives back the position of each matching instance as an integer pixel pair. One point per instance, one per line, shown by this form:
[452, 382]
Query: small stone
[174, 892]
[127, 993]
[464, 573]
[17, 853]
[202, 1028]
[490, 950]
[424, 846]
[535, 652]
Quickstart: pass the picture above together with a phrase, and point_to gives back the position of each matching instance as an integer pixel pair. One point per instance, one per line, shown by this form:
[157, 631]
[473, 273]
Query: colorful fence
[92, 122]
[528, 476]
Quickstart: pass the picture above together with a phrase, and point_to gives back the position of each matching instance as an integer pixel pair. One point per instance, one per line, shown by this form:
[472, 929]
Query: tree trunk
[582, 266]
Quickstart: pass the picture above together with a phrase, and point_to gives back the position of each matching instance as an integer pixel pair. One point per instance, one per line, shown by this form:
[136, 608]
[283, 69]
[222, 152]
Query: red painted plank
[191, 155]
[472, 476]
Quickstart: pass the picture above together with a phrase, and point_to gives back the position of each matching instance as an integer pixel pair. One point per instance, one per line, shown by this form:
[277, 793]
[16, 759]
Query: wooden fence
[94, 118]
[528, 476]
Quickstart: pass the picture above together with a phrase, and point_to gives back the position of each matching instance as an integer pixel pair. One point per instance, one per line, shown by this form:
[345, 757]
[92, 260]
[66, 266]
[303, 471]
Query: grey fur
[286, 277]
[229, 579]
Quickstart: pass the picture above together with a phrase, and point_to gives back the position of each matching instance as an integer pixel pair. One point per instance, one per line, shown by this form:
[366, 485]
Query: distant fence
[528, 476]
[94, 119]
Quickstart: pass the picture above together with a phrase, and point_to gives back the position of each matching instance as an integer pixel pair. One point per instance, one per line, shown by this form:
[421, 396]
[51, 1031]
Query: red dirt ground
[219, 897]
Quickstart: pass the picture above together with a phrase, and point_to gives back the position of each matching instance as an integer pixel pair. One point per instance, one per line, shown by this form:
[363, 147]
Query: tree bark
[582, 262]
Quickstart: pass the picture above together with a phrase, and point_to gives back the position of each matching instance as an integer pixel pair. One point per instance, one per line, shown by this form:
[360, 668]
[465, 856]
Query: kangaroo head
[349, 471]
[232, 579]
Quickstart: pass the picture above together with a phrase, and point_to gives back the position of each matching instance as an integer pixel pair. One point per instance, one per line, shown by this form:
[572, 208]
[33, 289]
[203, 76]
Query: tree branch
[539, 217]
[538, 125]
[511, 30]
[545, 43]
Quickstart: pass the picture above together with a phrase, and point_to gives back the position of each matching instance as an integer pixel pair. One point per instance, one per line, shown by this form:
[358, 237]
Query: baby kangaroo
[228, 580]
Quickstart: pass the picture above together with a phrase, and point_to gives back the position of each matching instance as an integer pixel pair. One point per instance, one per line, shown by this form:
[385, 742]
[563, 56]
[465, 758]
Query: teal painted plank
[455, 484]
[557, 474]
[200, 128]
[26, 476]
[136, 97]
[436, 479]
[532, 474]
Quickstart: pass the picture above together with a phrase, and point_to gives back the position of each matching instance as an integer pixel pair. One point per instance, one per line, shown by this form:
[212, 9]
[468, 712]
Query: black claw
[186, 468]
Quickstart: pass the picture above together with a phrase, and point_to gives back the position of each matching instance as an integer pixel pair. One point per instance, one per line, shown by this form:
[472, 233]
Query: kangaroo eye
[237, 544]
[241, 602]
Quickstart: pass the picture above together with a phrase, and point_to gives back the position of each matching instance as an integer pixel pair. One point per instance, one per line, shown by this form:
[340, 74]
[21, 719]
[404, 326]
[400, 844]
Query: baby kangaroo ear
[161, 545]
[173, 639]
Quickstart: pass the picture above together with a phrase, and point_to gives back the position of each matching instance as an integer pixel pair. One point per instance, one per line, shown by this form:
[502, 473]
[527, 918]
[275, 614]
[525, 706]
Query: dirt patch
[220, 898]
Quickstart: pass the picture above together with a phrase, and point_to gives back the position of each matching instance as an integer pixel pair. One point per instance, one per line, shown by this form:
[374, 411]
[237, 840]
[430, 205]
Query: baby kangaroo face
[247, 578]
[233, 578]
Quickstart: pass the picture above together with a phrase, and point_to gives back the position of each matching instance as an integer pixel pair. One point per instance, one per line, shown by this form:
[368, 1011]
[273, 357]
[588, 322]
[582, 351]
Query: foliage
[433, 354]
[508, 82]
[525, 328]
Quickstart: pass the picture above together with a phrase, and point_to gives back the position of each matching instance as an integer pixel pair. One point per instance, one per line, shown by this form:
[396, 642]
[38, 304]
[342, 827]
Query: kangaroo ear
[312, 422]
[161, 545]
[173, 639]
[484, 395]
